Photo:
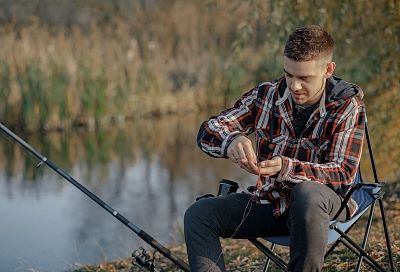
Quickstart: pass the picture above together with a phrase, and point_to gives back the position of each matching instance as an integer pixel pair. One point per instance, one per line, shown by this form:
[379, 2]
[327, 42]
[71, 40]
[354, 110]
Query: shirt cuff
[287, 167]
[228, 140]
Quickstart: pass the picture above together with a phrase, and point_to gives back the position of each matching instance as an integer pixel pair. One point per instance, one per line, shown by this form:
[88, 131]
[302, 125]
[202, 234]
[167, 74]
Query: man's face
[306, 79]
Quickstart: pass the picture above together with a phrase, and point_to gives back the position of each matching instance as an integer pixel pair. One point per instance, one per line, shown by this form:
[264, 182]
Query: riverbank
[241, 255]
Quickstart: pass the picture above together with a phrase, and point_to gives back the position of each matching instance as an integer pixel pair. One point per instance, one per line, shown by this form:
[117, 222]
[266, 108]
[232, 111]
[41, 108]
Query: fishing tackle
[143, 259]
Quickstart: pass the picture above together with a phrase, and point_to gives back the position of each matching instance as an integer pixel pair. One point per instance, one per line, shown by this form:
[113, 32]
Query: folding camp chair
[366, 195]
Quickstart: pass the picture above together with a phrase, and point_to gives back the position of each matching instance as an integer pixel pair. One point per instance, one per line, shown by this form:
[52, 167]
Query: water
[149, 171]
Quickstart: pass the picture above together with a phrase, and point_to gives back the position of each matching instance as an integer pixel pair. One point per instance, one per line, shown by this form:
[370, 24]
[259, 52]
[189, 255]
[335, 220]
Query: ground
[241, 255]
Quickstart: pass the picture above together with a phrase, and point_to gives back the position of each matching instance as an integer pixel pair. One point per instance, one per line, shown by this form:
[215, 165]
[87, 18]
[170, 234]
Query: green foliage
[94, 95]
[35, 104]
[4, 88]
[57, 88]
[146, 63]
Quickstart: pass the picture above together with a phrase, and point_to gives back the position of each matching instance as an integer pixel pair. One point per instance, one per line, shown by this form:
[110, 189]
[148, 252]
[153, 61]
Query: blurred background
[114, 92]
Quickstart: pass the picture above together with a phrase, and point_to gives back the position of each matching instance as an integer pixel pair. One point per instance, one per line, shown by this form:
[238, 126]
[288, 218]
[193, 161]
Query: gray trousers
[312, 206]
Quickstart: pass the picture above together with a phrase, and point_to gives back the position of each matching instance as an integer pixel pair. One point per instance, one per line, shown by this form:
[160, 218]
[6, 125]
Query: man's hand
[241, 151]
[270, 167]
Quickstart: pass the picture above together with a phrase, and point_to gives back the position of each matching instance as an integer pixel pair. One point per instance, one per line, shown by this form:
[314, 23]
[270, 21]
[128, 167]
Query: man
[309, 128]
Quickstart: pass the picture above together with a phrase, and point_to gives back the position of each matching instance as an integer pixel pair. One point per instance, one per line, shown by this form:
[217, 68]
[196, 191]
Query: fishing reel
[143, 259]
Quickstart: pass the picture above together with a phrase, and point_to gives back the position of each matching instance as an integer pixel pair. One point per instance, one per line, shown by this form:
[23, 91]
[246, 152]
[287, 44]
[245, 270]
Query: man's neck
[304, 107]
[317, 96]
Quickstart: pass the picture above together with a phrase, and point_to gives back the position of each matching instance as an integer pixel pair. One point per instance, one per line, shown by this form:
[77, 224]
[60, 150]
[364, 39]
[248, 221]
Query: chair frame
[375, 190]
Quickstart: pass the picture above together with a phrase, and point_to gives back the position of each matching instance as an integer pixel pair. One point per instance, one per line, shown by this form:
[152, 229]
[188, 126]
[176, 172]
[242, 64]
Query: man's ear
[330, 68]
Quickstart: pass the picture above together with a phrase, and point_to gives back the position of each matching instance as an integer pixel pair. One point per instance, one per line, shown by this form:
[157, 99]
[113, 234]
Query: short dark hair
[308, 43]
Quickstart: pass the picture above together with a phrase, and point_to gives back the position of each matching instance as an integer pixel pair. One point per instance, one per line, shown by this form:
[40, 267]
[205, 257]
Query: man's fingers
[269, 171]
[230, 154]
[241, 151]
[249, 152]
[233, 149]
[247, 160]
[246, 152]
[271, 167]
[249, 167]
[233, 154]
[269, 163]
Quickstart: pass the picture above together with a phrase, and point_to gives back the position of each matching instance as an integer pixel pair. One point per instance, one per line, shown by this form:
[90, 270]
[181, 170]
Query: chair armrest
[374, 189]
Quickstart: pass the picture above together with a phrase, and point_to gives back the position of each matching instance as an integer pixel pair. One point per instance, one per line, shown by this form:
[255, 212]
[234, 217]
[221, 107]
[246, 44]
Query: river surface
[150, 171]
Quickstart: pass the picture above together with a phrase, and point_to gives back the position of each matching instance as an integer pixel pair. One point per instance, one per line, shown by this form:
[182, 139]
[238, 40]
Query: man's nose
[295, 85]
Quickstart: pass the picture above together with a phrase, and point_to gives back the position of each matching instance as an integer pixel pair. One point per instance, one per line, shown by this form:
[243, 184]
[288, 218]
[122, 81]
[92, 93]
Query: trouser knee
[307, 199]
[308, 194]
[198, 215]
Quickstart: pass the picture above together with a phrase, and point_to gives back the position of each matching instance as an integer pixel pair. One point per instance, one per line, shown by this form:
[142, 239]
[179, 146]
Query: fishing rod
[141, 256]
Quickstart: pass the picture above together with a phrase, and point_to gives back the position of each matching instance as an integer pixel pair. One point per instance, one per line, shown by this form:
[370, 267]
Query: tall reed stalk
[179, 56]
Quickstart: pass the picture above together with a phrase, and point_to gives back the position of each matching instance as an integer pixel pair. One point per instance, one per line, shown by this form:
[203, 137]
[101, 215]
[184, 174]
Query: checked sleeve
[219, 131]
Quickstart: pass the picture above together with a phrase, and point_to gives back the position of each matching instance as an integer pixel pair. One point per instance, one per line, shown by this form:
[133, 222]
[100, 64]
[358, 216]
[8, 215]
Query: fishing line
[245, 213]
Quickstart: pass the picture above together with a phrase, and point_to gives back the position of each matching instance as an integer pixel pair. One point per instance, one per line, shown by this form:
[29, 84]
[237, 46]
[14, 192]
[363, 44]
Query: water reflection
[149, 171]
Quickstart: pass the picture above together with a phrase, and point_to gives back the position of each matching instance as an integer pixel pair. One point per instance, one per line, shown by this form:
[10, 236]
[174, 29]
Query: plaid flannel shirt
[328, 150]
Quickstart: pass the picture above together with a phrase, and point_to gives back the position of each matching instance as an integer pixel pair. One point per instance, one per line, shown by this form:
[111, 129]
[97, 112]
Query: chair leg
[271, 255]
[359, 251]
[268, 259]
[355, 251]
[371, 156]
[389, 249]
[334, 245]
[366, 234]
